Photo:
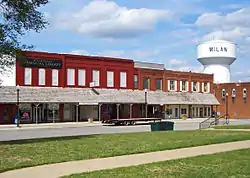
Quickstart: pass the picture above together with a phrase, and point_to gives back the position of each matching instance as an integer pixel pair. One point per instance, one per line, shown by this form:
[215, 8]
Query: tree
[17, 18]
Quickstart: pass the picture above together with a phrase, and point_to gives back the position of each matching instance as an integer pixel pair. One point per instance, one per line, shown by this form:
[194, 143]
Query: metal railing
[205, 122]
[208, 123]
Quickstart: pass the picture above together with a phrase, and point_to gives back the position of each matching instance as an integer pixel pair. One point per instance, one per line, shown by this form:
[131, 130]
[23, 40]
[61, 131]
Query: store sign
[41, 63]
[218, 49]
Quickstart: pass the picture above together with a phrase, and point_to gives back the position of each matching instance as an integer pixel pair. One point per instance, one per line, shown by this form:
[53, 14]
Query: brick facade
[103, 65]
[238, 106]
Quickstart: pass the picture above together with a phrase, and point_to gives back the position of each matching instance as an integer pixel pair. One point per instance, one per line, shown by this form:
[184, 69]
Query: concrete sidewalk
[67, 168]
[49, 125]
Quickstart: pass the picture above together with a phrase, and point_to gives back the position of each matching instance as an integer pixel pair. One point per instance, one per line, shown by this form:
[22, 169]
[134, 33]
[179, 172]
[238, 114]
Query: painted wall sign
[41, 63]
[218, 49]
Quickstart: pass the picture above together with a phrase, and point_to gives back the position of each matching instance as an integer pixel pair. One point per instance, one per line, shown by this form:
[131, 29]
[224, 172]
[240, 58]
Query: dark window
[183, 111]
[146, 83]
[158, 84]
[135, 81]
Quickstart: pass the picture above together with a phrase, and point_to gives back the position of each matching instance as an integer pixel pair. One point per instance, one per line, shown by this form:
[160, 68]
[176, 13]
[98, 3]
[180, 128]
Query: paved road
[29, 133]
[18, 134]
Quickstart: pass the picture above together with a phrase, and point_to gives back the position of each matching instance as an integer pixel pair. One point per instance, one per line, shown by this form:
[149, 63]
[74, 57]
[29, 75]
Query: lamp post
[227, 108]
[18, 113]
[146, 103]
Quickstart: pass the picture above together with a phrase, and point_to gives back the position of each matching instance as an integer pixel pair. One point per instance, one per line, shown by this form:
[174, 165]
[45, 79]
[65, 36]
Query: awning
[86, 96]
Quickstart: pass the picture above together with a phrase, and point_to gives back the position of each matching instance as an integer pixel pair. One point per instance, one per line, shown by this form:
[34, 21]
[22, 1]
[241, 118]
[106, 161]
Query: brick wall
[235, 105]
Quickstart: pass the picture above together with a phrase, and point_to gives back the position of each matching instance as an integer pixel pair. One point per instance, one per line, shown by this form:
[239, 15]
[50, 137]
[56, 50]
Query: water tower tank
[216, 56]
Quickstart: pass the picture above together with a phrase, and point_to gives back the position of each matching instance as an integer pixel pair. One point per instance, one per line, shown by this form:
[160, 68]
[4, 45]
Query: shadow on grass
[41, 140]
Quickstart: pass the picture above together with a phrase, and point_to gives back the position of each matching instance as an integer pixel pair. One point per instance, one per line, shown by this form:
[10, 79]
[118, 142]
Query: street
[18, 134]
[77, 130]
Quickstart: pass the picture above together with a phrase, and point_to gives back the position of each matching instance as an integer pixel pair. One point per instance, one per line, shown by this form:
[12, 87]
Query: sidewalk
[49, 125]
[68, 168]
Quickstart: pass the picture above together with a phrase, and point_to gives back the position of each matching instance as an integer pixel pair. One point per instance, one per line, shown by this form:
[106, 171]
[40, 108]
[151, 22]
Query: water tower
[216, 56]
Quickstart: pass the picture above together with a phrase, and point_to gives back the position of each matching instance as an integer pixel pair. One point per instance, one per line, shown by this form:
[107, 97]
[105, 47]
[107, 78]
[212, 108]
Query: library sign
[41, 63]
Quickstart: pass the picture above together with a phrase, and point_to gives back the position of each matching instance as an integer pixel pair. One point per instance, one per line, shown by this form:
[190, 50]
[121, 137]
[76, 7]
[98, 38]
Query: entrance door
[201, 113]
[37, 114]
[176, 113]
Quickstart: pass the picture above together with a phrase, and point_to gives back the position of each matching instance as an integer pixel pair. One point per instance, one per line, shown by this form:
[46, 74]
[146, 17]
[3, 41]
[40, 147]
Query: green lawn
[25, 153]
[223, 165]
[233, 127]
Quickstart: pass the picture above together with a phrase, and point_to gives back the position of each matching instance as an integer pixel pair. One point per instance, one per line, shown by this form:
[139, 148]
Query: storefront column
[77, 115]
[117, 110]
[131, 111]
[99, 111]
[179, 111]
[36, 108]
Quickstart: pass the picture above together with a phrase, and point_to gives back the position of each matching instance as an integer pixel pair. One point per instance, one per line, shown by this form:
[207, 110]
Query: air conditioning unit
[244, 93]
[233, 93]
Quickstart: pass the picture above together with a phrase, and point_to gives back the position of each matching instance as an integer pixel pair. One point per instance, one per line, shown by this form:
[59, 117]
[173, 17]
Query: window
[81, 77]
[158, 84]
[233, 92]
[27, 76]
[206, 87]
[208, 112]
[146, 83]
[205, 112]
[135, 81]
[41, 76]
[183, 111]
[184, 85]
[197, 112]
[172, 85]
[96, 77]
[123, 79]
[223, 93]
[70, 76]
[110, 79]
[196, 86]
[54, 77]
[244, 93]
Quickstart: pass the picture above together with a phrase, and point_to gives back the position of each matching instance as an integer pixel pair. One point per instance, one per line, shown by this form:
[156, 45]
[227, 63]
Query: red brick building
[193, 91]
[234, 98]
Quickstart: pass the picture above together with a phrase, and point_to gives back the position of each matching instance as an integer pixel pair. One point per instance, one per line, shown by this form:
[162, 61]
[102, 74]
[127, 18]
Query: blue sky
[161, 31]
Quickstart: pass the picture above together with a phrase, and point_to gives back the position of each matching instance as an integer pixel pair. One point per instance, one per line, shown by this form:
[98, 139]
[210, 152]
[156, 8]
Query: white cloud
[225, 21]
[238, 33]
[106, 19]
[187, 68]
[80, 52]
[176, 62]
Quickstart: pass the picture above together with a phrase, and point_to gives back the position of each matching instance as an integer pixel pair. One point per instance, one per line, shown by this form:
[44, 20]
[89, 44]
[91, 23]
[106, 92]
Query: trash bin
[160, 126]
[155, 126]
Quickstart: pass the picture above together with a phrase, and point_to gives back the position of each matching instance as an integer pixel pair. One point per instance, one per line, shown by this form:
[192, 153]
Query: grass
[229, 164]
[26, 153]
[233, 127]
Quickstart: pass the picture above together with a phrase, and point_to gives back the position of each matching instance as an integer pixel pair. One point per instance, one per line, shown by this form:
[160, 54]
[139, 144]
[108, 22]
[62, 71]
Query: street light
[18, 113]
[146, 103]
[227, 121]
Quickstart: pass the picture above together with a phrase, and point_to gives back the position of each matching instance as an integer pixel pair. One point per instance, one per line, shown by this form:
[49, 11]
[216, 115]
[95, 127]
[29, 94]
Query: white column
[117, 110]
[100, 111]
[131, 111]
[36, 105]
[77, 108]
